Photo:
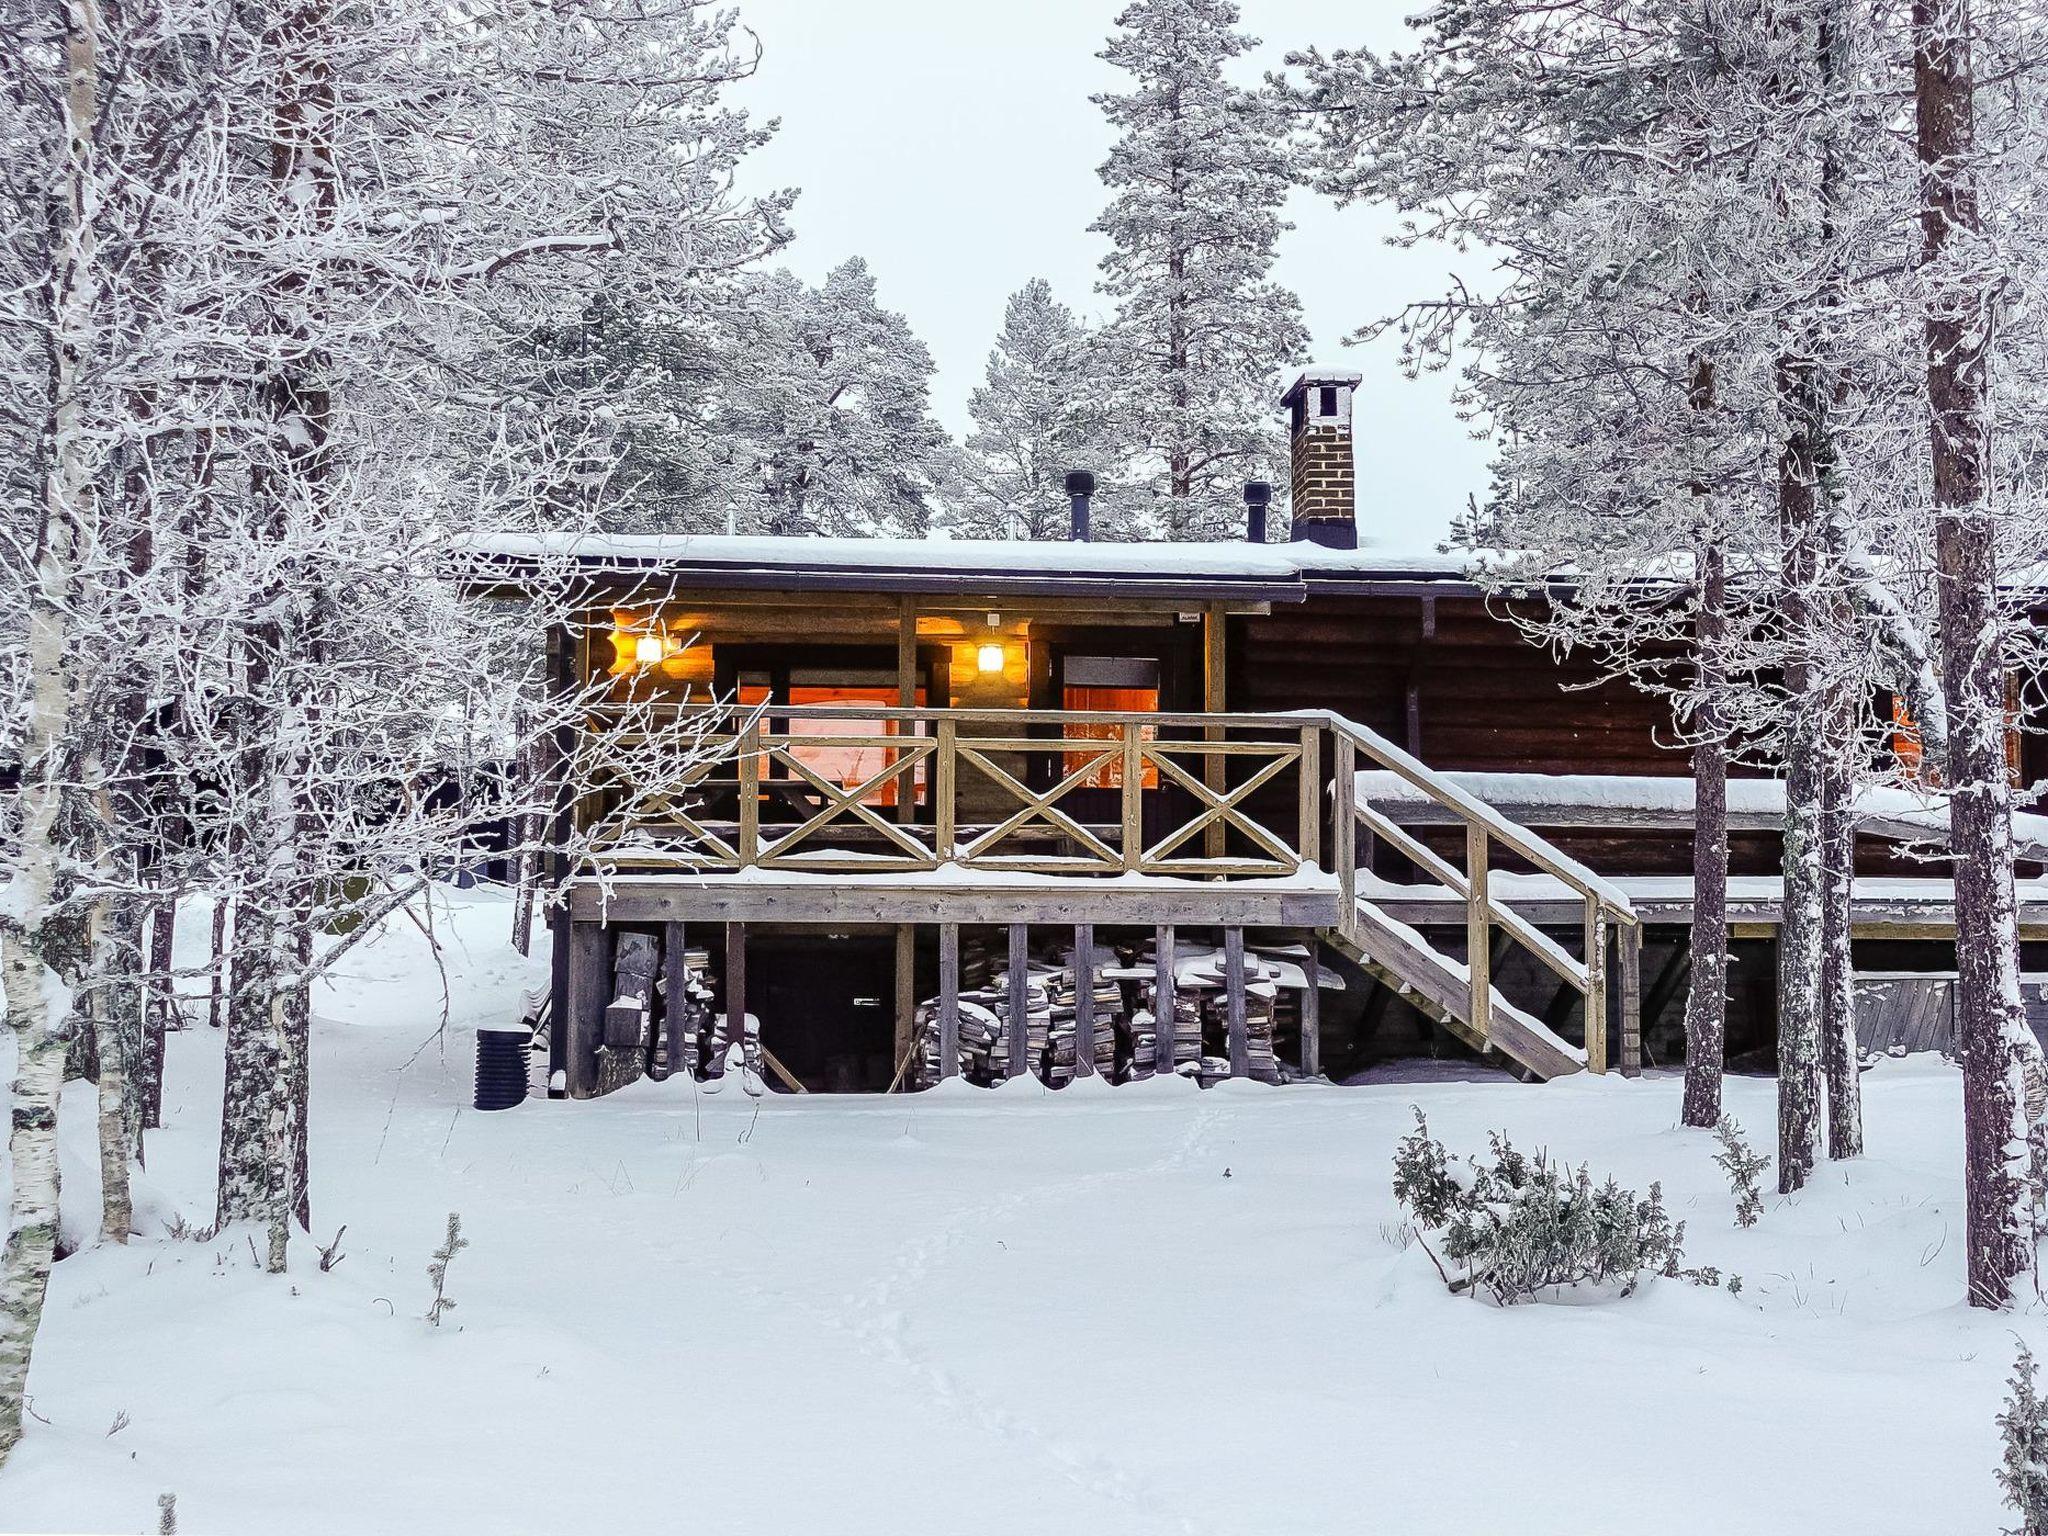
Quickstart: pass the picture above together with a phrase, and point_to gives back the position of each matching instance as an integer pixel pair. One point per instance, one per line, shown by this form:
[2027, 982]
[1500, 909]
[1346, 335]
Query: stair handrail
[1608, 911]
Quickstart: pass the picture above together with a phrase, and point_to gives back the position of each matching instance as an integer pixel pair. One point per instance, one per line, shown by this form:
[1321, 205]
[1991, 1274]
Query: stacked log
[629, 1016]
[692, 1014]
[1037, 1025]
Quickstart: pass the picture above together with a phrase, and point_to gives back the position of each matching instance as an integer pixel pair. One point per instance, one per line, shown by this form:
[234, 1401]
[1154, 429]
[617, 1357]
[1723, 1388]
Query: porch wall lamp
[989, 658]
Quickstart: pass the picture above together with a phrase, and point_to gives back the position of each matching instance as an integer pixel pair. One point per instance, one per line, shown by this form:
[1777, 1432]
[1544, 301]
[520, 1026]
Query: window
[1123, 684]
[1911, 756]
[840, 763]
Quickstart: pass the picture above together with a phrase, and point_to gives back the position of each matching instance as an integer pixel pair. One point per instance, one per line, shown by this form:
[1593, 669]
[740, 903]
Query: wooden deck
[1078, 820]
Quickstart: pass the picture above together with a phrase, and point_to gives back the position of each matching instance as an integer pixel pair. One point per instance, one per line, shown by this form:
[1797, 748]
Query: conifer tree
[1189, 362]
[822, 413]
[1035, 417]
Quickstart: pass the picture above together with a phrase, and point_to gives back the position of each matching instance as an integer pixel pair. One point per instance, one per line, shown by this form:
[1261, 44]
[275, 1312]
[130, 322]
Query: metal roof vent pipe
[1080, 487]
[1258, 495]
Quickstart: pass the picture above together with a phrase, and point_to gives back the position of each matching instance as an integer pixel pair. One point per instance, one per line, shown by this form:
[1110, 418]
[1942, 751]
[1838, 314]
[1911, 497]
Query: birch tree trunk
[1706, 1006]
[38, 1007]
[1991, 1030]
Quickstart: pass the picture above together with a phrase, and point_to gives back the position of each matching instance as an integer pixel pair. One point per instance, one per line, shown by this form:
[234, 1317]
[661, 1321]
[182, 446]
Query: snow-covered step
[1442, 988]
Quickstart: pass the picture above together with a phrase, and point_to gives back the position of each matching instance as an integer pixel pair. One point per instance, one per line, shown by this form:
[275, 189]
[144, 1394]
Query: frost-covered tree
[276, 265]
[1970, 274]
[1695, 352]
[1189, 360]
[1036, 416]
[820, 416]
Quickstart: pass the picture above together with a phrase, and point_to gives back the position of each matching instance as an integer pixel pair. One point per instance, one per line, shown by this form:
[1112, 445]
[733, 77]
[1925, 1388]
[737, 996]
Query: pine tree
[1190, 359]
[822, 413]
[2023, 1429]
[1962, 280]
[1035, 417]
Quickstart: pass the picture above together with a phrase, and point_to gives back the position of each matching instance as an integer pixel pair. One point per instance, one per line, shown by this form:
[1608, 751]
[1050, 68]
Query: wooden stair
[1440, 988]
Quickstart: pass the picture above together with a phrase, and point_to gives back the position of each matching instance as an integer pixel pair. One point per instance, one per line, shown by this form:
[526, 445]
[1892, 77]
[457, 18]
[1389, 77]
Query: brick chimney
[1325, 495]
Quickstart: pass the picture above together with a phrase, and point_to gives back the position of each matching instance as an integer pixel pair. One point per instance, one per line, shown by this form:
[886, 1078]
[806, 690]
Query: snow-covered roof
[1267, 571]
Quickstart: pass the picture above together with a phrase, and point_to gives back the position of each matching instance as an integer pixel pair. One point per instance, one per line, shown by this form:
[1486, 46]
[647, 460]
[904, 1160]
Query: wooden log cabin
[1267, 808]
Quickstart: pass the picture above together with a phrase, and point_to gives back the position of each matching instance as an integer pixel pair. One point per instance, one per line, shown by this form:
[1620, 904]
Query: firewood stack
[1064, 992]
[695, 1006]
[1187, 1027]
[628, 1018]
[1037, 1024]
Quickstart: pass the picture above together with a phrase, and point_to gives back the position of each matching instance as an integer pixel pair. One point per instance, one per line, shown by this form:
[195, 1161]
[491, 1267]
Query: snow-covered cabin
[1320, 782]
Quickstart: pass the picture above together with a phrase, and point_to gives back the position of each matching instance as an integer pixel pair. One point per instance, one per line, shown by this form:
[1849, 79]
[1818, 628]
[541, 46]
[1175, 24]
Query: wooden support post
[736, 980]
[1596, 987]
[1311, 804]
[1631, 937]
[1165, 1017]
[750, 795]
[1132, 797]
[1344, 828]
[1019, 1000]
[1084, 1000]
[1215, 701]
[906, 698]
[675, 994]
[590, 989]
[1312, 1012]
[944, 780]
[1479, 930]
[906, 997]
[949, 1000]
[1233, 994]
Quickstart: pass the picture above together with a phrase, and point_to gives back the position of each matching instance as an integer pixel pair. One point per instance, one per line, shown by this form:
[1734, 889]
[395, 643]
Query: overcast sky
[952, 143]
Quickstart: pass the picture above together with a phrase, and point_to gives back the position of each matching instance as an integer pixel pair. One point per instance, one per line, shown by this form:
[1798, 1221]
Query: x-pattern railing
[1066, 792]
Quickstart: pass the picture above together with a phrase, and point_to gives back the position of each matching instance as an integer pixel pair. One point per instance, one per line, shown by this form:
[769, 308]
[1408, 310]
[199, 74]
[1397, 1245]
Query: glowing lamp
[647, 650]
[989, 658]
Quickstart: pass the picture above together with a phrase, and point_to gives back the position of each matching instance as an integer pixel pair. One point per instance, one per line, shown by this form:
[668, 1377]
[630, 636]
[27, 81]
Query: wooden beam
[1631, 943]
[736, 980]
[1479, 929]
[1596, 988]
[1309, 837]
[590, 977]
[1312, 1012]
[1165, 1017]
[850, 899]
[949, 1000]
[906, 990]
[1233, 994]
[675, 993]
[1215, 701]
[789, 1079]
[1084, 999]
[1018, 1001]
[906, 697]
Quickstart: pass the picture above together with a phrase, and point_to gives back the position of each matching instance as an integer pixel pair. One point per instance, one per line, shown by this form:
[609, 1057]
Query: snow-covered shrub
[437, 1269]
[167, 1514]
[1743, 1167]
[2024, 1428]
[1514, 1227]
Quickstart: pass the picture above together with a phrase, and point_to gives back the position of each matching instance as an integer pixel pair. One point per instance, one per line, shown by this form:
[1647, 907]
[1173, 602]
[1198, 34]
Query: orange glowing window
[840, 761]
[1122, 684]
[1911, 755]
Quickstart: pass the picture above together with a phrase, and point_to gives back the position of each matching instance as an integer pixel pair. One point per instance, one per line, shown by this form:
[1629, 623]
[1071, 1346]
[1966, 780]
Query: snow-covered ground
[1107, 1311]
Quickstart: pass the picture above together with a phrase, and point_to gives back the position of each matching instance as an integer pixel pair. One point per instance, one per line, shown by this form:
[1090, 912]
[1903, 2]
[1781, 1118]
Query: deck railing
[1064, 792]
[1609, 920]
[1088, 794]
